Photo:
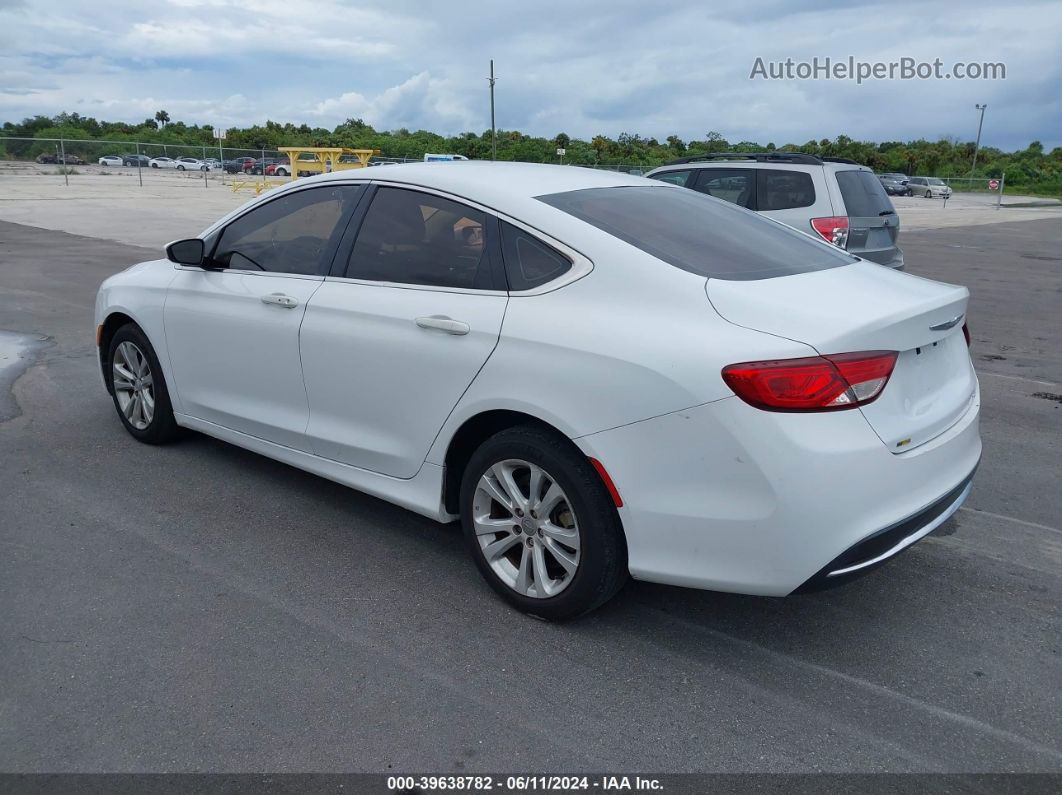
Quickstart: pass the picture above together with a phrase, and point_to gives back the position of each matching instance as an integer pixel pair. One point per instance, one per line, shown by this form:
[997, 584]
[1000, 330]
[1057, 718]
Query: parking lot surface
[199, 608]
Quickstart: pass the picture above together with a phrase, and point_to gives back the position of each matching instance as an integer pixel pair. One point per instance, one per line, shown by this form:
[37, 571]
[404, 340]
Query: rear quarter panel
[634, 339]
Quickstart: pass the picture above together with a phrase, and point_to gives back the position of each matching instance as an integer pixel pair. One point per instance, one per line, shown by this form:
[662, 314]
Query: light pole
[493, 134]
[978, 144]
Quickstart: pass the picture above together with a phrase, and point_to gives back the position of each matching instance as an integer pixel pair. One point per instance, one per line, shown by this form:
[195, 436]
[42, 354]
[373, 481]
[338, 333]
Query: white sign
[219, 133]
[561, 152]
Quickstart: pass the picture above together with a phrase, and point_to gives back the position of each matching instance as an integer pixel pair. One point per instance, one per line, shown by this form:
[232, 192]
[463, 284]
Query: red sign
[993, 184]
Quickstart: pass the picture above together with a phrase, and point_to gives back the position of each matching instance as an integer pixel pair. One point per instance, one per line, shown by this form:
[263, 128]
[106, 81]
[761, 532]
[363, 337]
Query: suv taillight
[833, 230]
[815, 383]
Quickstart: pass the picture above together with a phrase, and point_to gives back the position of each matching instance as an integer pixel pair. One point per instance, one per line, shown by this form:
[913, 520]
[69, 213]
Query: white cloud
[582, 68]
[420, 101]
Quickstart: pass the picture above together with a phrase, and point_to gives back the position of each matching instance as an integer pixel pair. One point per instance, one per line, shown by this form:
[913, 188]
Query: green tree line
[1030, 169]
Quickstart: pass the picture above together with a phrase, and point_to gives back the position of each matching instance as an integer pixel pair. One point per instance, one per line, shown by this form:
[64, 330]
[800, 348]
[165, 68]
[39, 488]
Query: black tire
[929, 194]
[180, 168]
[163, 427]
[602, 569]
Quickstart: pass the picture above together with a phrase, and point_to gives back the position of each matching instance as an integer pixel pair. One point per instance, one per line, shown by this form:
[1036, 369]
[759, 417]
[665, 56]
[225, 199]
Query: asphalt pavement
[199, 608]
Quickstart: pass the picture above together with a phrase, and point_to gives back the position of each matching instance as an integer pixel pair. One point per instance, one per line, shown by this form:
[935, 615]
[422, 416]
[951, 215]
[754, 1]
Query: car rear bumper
[879, 548]
[727, 497]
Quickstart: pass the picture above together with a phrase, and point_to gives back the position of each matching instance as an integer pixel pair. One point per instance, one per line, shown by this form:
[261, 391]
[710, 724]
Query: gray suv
[839, 200]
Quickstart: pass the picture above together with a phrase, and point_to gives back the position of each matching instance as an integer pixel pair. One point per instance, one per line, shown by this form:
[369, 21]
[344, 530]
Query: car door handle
[280, 299]
[443, 323]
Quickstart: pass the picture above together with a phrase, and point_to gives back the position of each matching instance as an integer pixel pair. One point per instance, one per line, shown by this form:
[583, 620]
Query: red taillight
[815, 383]
[966, 333]
[833, 230]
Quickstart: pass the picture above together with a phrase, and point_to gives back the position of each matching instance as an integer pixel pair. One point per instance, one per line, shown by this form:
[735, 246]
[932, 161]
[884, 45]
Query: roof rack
[761, 157]
[842, 160]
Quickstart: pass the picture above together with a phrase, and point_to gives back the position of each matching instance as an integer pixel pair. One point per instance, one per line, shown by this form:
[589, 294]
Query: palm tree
[162, 117]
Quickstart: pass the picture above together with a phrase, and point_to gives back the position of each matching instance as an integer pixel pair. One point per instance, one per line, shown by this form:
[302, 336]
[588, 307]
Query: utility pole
[977, 145]
[493, 132]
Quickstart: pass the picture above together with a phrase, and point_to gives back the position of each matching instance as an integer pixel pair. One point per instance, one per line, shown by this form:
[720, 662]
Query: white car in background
[162, 162]
[191, 164]
[598, 374]
[111, 160]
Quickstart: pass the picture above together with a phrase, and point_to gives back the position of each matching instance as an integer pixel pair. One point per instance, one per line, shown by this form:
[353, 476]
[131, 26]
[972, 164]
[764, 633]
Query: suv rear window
[863, 195]
[697, 233]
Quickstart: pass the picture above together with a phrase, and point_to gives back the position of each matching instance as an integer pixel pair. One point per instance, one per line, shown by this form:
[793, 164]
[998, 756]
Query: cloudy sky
[579, 66]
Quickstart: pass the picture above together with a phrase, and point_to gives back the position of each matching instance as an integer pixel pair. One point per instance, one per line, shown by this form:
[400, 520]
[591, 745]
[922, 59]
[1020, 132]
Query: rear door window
[737, 186]
[777, 189]
[863, 195]
[409, 237]
[690, 231]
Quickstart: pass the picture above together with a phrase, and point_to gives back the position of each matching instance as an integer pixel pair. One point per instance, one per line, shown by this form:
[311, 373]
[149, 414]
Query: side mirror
[186, 252]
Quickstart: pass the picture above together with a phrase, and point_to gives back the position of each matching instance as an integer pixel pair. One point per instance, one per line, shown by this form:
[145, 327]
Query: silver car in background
[838, 200]
[930, 187]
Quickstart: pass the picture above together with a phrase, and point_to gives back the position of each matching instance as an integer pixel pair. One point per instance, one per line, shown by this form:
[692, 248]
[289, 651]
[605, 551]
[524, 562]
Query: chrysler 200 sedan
[599, 375]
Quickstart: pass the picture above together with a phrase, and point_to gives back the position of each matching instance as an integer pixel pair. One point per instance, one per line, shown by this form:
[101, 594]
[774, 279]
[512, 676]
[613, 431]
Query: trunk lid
[864, 307]
[873, 225]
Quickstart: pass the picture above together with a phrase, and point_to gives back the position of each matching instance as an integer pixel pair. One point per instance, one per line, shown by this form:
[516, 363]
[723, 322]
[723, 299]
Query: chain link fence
[147, 163]
[155, 163]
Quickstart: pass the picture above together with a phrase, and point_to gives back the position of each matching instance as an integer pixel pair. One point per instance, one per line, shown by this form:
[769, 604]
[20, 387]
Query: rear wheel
[180, 168]
[929, 194]
[541, 526]
[139, 388]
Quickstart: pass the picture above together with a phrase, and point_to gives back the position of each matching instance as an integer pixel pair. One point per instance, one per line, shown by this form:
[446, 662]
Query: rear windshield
[863, 195]
[698, 233]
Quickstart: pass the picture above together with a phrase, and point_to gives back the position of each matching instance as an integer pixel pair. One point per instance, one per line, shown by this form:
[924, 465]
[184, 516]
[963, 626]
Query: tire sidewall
[162, 425]
[602, 547]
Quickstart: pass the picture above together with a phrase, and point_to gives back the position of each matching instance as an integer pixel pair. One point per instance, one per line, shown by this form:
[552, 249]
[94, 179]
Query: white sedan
[110, 160]
[191, 164]
[600, 375]
[162, 162]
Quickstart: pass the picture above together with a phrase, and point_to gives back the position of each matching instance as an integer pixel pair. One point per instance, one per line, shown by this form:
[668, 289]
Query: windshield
[935, 181]
[698, 233]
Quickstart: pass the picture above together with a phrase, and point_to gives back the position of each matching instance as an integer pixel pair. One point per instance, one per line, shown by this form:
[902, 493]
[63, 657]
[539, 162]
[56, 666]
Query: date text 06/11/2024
[539, 783]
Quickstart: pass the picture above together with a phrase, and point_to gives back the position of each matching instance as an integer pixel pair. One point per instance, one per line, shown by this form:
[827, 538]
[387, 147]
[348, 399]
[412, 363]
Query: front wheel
[180, 168]
[929, 194]
[541, 525]
[139, 388]
[281, 172]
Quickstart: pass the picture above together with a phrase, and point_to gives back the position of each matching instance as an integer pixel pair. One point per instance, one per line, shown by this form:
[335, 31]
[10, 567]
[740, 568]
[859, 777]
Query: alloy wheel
[526, 528]
[134, 386]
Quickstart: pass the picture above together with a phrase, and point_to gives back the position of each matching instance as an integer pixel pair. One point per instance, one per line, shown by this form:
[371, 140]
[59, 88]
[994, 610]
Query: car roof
[739, 162]
[505, 186]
